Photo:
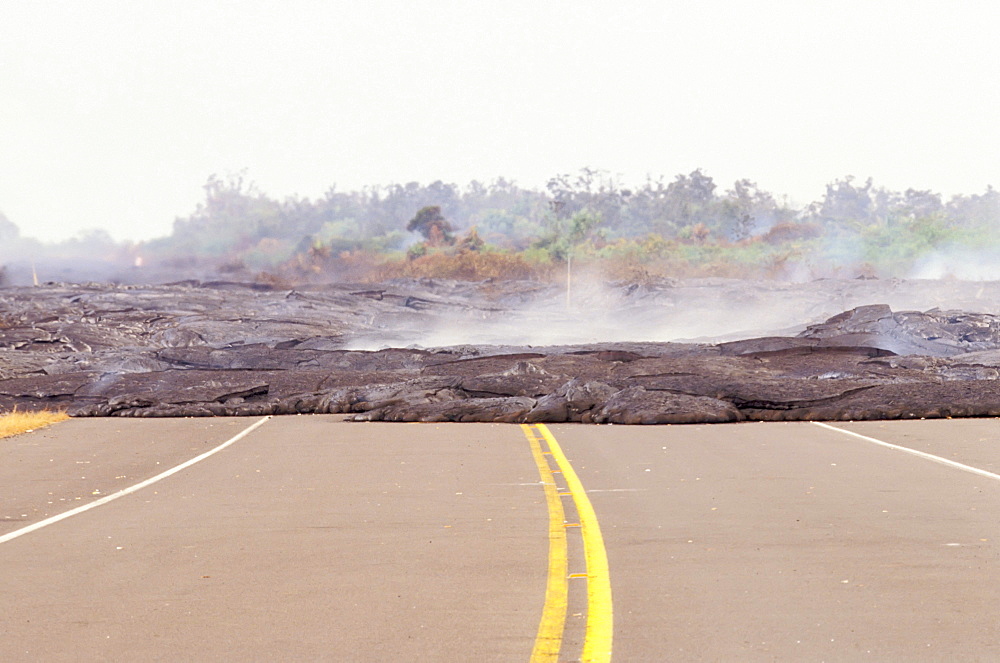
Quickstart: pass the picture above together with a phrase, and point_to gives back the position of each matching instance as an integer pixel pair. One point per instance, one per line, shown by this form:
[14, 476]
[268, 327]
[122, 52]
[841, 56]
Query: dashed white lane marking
[921, 454]
[131, 489]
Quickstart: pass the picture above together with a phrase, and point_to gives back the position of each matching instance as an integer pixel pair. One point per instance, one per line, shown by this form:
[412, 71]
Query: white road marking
[131, 489]
[921, 454]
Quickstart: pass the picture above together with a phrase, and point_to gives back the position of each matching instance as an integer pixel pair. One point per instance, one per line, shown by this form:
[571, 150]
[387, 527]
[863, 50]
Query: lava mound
[194, 349]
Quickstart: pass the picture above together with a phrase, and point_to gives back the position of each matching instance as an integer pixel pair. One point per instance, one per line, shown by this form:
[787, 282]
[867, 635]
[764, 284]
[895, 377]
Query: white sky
[114, 113]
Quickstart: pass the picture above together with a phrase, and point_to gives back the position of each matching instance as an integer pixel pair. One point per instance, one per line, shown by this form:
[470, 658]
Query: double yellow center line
[598, 634]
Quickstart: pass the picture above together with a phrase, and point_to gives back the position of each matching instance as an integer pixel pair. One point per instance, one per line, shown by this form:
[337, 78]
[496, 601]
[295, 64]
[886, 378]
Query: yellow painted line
[600, 622]
[548, 641]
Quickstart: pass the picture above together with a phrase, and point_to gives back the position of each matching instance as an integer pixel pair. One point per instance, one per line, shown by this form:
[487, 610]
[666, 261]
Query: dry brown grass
[14, 423]
[465, 265]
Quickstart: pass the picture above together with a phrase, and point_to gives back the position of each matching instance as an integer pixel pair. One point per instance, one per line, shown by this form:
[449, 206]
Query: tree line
[687, 225]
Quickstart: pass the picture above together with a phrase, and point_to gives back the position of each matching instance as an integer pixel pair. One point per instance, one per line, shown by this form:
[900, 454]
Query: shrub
[791, 232]
[464, 265]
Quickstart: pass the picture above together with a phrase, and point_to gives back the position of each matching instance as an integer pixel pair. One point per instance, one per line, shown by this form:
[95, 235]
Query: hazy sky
[114, 113]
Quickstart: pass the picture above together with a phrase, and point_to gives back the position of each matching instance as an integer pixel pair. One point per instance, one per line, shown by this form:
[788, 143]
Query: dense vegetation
[683, 227]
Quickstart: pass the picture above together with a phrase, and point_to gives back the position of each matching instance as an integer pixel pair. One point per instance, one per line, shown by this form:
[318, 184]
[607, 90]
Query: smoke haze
[670, 310]
[116, 111]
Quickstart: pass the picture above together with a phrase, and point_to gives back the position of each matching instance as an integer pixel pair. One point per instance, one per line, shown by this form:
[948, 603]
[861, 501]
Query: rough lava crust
[513, 351]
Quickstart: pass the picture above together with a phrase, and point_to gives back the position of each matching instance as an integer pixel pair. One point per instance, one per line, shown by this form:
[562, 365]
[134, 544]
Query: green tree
[430, 223]
[234, 217]
[566, 235]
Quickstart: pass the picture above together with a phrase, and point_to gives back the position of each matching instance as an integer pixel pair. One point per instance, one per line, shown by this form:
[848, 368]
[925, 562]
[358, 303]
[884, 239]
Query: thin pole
[569, 278]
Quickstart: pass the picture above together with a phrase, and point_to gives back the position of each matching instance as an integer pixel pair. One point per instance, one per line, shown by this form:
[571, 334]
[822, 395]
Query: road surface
[313, 539]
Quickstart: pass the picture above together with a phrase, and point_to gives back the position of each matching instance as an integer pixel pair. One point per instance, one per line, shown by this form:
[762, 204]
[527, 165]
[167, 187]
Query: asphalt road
[314, 539]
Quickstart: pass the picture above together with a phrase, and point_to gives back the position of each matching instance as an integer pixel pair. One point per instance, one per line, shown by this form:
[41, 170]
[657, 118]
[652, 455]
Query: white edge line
[922, 454]
[131, 489]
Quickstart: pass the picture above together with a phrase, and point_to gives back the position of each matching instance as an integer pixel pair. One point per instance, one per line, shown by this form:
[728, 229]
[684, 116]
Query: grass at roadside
[16, 422]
